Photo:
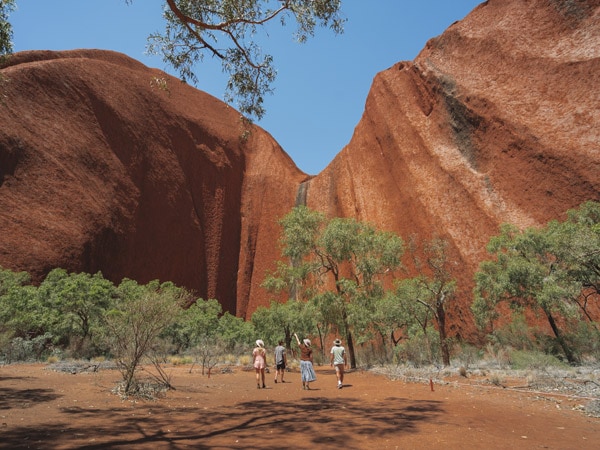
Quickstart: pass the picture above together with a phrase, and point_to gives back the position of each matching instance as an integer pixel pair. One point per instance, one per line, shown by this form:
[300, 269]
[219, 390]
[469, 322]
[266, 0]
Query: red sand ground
[44, 409]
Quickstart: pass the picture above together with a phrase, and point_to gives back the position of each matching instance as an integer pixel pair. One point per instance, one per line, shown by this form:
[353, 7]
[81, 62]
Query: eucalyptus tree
[11, 280]
[228, 30]
[77, 301]
[523, 273]
[426, 296]
[554, 269]
[236, 333]
[196, 332]
[576, 247]
[6, 32]
[343, 263]
[281, 320]
[21, 314]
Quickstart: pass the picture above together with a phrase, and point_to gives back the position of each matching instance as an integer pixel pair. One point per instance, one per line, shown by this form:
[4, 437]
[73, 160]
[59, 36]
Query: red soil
[41, 408]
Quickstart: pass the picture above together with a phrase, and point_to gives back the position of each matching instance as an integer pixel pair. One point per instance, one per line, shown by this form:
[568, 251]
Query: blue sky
[321, 85]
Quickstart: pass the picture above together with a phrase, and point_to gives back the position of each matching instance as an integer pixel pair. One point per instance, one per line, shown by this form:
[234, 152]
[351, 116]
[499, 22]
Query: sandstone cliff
[497, 120]
[105, 167]
[108, 165]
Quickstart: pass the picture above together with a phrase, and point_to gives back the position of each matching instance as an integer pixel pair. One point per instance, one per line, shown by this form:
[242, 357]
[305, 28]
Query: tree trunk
[441, 320]
[559, 338]
[351, 352]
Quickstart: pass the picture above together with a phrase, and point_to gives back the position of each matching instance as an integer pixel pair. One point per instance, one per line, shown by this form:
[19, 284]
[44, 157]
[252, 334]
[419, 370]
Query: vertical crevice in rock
[302, 193]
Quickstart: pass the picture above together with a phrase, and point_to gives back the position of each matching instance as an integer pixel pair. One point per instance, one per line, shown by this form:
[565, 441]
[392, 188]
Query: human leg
[339, 372]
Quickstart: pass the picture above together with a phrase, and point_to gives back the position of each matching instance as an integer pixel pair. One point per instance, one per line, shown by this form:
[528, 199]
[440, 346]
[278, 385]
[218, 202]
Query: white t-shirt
[338, 354]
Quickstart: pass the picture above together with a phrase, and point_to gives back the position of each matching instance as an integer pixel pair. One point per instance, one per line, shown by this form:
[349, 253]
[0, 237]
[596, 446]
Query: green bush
[517, 334]
[420, 349]
[533, 360]
[26, 349]
[467, 354]
[585, 341]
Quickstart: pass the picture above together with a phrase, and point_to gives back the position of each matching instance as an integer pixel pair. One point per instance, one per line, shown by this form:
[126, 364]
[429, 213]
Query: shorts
[280, 366]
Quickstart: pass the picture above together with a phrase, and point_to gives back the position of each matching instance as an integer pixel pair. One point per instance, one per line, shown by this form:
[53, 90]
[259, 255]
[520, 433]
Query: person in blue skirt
[307, 371]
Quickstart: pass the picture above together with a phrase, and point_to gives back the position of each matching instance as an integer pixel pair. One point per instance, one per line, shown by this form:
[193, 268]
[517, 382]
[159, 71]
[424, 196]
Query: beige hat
[260, 343]
[307, 342]
[337, 342]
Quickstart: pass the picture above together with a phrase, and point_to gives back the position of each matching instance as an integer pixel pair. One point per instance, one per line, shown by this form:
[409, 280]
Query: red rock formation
[102, 169]
[495, 121]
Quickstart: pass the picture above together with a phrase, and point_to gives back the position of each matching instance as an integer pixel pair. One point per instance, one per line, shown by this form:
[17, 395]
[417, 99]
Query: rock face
[108, 165]
[496, 120]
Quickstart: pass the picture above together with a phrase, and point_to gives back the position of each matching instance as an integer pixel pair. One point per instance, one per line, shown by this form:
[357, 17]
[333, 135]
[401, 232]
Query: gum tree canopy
[227, 30]
[6, 7]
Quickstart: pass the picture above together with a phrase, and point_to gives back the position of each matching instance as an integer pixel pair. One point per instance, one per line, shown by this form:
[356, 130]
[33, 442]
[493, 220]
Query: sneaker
[275, 380]
[264, 387]
[339, 385]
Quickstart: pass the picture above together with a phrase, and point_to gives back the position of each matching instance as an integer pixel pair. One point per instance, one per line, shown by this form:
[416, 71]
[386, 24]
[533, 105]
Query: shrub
[467, 354]
[420, 349]
[585, 341]
[26, 349]
[533, 360]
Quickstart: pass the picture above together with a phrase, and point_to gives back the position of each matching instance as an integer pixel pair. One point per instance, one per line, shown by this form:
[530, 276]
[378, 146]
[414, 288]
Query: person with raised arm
[307, 371]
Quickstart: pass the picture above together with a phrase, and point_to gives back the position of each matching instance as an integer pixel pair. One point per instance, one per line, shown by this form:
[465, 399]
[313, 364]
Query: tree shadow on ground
[264, 424]
[21, 398]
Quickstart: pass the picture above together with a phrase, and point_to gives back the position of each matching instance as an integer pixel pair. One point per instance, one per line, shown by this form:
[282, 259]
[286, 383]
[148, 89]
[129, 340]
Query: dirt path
[44, 409]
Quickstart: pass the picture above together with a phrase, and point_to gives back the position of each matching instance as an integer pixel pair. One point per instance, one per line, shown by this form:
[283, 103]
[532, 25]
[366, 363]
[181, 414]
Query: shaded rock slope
[108, 165]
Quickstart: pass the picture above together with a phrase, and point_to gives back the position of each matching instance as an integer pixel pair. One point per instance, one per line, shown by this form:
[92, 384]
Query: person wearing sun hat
[307, 372]
[280, 361]
[259, 361]
[338, 360]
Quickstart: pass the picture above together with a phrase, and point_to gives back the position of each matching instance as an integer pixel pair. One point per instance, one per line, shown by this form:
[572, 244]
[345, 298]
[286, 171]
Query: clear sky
[321, 85]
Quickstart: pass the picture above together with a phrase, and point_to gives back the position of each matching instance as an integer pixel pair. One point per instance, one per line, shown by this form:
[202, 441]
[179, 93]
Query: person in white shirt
[338, 360]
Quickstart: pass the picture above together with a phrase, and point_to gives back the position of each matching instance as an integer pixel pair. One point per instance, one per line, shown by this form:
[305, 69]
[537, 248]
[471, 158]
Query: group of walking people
[307, 372]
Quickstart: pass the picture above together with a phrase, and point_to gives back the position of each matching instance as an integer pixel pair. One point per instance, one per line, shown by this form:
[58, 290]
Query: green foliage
[6, 46]
[22, 314]
[554, 270]
[339, 266]
[75, 302]
[198, 323]
[235, 332]
[421, 348]
[281, 320]
[137, 320]
[228, 30]
[89, 316]
[586, 339]
[426, 297]
[10, 280]
[26, 349]
[517, 335]
[533, 360]
[196, 333]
